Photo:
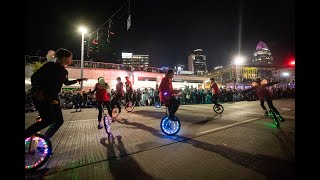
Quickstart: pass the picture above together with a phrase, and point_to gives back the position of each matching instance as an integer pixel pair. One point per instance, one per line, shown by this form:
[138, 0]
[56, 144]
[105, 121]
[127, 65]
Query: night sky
[166, 30]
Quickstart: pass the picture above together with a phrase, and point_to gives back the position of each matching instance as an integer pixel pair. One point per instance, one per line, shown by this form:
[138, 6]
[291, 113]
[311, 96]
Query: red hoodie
[165, 87]
[101, 93]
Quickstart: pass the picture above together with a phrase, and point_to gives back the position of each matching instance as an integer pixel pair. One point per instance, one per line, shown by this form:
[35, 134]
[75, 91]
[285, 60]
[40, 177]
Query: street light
[83, 30]
[238, 61]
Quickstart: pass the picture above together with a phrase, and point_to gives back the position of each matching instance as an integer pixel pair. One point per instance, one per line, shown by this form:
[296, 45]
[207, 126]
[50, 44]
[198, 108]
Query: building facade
[135, 61]
[197, 62]
[286, 77]
[139, 79]
[240, 77]
[262, 55]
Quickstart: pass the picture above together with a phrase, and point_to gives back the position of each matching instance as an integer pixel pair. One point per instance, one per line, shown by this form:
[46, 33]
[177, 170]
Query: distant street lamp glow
[285, 74]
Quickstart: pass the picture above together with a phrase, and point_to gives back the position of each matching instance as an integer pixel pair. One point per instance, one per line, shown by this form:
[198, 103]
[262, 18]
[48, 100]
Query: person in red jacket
[118, 95]
[215, 91]
[129, 90]
[102, 98]
[167, 93]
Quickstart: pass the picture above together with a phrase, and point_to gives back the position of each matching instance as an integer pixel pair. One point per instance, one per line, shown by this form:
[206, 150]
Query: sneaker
[100, 126]
[266, 113]
[38, 119]
[280, 118]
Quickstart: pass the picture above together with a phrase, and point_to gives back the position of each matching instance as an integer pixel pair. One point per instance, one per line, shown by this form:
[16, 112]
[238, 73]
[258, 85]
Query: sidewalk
[252, 150]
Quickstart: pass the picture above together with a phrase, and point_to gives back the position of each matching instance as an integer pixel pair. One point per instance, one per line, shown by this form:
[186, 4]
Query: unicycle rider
[167, 94]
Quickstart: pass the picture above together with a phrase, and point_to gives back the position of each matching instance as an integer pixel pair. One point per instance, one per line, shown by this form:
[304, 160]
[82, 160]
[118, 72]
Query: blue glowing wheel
[38, 149]
[157, 105]
[170, 126]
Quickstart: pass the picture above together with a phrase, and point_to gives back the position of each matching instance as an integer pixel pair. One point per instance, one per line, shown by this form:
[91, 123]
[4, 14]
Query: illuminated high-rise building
[197, 62]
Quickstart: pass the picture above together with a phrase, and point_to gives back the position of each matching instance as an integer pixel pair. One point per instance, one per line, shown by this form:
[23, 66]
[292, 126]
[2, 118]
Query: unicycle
[115, 109]
[218, 108]
[129, 106]
[107, 123]
[169, 126]
[274, 118]
[38, 150]
[157, 105]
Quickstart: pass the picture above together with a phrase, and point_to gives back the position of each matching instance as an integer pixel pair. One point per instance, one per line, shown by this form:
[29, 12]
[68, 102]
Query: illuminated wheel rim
[276, 122]
[170, 127]
[115, 112]
[218, 108]
[274, 119]
[129, 107]
[158, 105]
[39, 152]
[107, 125]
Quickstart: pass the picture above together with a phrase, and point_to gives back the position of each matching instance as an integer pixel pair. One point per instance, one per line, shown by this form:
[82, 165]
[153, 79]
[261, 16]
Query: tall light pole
[238, 60]
[83, 30]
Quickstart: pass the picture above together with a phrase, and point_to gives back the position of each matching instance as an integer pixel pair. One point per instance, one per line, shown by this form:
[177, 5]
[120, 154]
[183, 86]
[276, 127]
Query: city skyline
[167, 31]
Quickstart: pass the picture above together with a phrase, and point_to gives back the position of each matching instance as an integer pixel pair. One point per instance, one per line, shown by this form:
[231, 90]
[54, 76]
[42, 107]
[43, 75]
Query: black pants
[215, 98]
[115, 102]
[270, 104]
[101, 104]
[156, 99]
[129, 97]
[51, 116]
[173, 105]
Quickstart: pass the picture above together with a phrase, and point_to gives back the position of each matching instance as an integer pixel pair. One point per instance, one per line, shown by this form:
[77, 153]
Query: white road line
[81, 120]
[227, 126]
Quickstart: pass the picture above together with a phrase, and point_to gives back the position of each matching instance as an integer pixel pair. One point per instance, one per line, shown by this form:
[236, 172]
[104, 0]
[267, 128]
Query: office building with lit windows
[197, 62]
[262, 55]
[135, 61]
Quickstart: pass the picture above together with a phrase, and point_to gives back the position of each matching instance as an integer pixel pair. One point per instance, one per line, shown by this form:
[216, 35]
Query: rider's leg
[108, 106]
[173, 106]
[113, 103]
[43, 113]
[100, 106]
[117, 103]
[57, 119]
[214, 99]
[270, 104]
[263, 107]
[131, 99]
[127, 96]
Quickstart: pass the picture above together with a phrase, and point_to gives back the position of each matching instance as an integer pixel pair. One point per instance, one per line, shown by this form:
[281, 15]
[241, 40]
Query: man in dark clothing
[46, 84]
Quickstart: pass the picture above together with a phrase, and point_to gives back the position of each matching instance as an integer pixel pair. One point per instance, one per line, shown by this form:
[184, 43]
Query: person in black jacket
[46, 84]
